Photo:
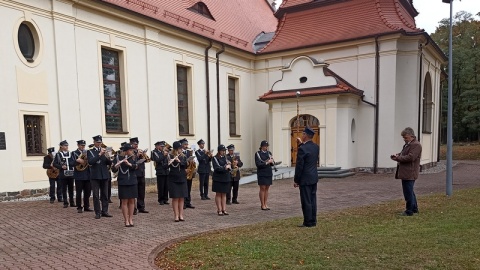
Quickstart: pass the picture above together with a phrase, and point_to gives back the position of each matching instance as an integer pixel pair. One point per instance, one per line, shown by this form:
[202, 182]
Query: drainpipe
[218, 88]
[377, 96]
[439, 123]
[420, 92]
[207, 87]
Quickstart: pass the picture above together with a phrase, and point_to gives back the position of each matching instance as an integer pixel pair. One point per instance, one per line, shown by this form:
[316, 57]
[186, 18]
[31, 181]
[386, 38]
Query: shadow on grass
[443, 236]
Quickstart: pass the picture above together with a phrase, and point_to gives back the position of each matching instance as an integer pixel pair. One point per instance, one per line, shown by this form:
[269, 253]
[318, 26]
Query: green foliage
[372, 237]
[466, 73]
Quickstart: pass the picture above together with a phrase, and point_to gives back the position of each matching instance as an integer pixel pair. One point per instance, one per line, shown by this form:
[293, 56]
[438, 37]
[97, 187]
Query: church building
[231, 72]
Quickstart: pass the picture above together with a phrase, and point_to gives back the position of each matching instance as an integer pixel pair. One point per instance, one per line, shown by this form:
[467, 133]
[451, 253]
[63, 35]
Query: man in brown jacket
[408, 167]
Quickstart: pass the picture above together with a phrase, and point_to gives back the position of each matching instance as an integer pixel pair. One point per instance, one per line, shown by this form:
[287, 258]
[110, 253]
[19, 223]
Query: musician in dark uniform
[65, 163]
[234, 174]
[82, 178]
[126, 166]
[203, 157]
[159, 156]
[177, 180]
[140, 172]
[264, 163]
[99, 177]
[190, 175]
[221, 180]
[48, 164]
[306, 177]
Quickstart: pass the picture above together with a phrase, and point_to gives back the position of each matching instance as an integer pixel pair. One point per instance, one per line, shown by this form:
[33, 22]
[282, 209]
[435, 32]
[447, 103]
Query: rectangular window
[112, 91]
[232, 105]
[182, 97]
[33, 134]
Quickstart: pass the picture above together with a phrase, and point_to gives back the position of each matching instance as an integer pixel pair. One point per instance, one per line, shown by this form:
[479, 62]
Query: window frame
[40, 142]
[190, 101]
[235, 110]
[427, 105]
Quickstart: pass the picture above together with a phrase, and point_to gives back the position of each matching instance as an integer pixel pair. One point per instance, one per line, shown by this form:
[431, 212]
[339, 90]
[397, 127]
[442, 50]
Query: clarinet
[274, 166]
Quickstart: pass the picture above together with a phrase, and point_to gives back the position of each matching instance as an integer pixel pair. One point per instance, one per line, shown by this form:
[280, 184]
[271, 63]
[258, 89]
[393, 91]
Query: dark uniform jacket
[98, 165]
[220, 174]
[140, 172]
[203, 161]
[161, 162]
[80, 175]
[306, 167]
[239, 165]
[126, 174]
[263, 169]
[62, 159]
[408, 160]
[177, 171]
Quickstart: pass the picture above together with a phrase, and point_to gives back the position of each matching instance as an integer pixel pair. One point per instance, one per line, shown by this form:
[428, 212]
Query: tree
[465, 73]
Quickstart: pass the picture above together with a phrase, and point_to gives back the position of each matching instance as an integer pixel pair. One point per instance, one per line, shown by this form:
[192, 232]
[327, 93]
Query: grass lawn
[445, 235]
[462, 151]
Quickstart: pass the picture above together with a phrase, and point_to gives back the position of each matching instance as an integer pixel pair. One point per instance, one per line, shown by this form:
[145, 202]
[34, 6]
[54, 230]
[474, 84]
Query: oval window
[26, 42]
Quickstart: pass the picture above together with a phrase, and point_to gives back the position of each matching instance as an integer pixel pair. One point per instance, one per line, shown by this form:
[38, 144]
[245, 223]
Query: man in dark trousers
[82, 178]
[306, 177]
[52, 174]
[159, 156]
[99, 174]
[64, 162]
[140, 171]
[234, 174]
[187, 203]
[204, 158]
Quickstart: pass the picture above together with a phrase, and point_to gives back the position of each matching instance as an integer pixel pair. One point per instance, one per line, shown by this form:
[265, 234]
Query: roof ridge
[383, 17]
[281, 23]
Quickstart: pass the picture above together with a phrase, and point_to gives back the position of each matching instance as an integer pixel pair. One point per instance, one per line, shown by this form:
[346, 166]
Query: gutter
[217, 65]
[207, 87]
[420, 77]
[377, 95]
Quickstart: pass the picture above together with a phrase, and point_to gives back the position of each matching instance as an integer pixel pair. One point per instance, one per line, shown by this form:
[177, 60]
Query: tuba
[191, 169]
[84, 166]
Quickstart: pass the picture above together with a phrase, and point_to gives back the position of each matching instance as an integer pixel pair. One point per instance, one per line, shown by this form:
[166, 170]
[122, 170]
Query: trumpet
[209, 153]
[143, 155]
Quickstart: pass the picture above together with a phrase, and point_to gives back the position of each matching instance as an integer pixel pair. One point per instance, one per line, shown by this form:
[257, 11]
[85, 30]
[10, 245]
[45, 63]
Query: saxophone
[191, 169]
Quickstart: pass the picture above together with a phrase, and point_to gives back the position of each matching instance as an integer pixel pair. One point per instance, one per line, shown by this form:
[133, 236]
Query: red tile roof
[307, 23]
[342, 87]
[237, 22]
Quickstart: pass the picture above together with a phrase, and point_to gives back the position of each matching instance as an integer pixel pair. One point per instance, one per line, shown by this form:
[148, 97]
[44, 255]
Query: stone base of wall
[26, 193]
[393, 169]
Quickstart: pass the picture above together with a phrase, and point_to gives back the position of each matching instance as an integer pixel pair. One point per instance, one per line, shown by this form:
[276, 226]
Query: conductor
[306, 177]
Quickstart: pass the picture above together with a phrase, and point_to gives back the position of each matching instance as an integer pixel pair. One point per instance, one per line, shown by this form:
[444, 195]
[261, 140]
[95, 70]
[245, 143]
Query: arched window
[427, 104]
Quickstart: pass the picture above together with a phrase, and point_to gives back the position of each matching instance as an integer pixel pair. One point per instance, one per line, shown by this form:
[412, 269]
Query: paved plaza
[40, 235]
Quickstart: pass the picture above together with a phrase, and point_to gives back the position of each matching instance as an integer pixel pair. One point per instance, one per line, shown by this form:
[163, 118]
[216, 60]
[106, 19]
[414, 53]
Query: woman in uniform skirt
[221, 179]
[264, 163]
[127, 182]
[177, 180]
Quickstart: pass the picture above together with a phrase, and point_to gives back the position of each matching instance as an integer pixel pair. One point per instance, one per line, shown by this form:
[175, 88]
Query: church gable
[311, 77]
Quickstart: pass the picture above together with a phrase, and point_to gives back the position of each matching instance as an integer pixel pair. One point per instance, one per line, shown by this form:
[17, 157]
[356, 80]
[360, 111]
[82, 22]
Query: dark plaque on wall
[3, 143]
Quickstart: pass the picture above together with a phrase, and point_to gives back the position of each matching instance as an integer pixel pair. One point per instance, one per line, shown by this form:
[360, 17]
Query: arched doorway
[297, 128]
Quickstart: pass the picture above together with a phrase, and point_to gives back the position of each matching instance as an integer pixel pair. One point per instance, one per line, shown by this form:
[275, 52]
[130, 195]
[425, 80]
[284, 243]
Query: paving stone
[40, 235]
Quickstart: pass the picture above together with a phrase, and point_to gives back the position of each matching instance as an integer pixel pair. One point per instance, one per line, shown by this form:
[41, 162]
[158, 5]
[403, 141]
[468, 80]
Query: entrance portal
[297, 128]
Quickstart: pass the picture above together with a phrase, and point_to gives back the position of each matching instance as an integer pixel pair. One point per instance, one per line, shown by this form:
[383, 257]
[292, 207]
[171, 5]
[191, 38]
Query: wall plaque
[3, 143]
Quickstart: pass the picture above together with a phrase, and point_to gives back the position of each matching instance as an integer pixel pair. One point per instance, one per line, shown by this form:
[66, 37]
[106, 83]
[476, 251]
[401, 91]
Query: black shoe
[97, 216]
[110, 201]
[52, 201]
[190, 206]
[184, 207]
[207, 198]
[106, 215]
[143, 211]
[228, 202]
[87, 210]
[235, 202]
[72, 205]
[60, 200]
[65, 206]
[166, 202]
[307, 226]
[161, 203]
[405, 214]
[80, 210]
[203, 198]
[135, 211]
[416, 211]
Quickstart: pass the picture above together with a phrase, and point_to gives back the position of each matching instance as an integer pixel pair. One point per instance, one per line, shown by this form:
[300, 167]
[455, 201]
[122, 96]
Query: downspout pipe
[420, 77]
[217, 65]
[377, 97]
[207, 88]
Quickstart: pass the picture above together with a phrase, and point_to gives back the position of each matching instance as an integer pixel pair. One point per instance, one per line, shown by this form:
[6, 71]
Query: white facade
[64, 86]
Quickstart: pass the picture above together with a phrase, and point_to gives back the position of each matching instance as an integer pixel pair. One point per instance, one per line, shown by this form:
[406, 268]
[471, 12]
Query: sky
[432, 11]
